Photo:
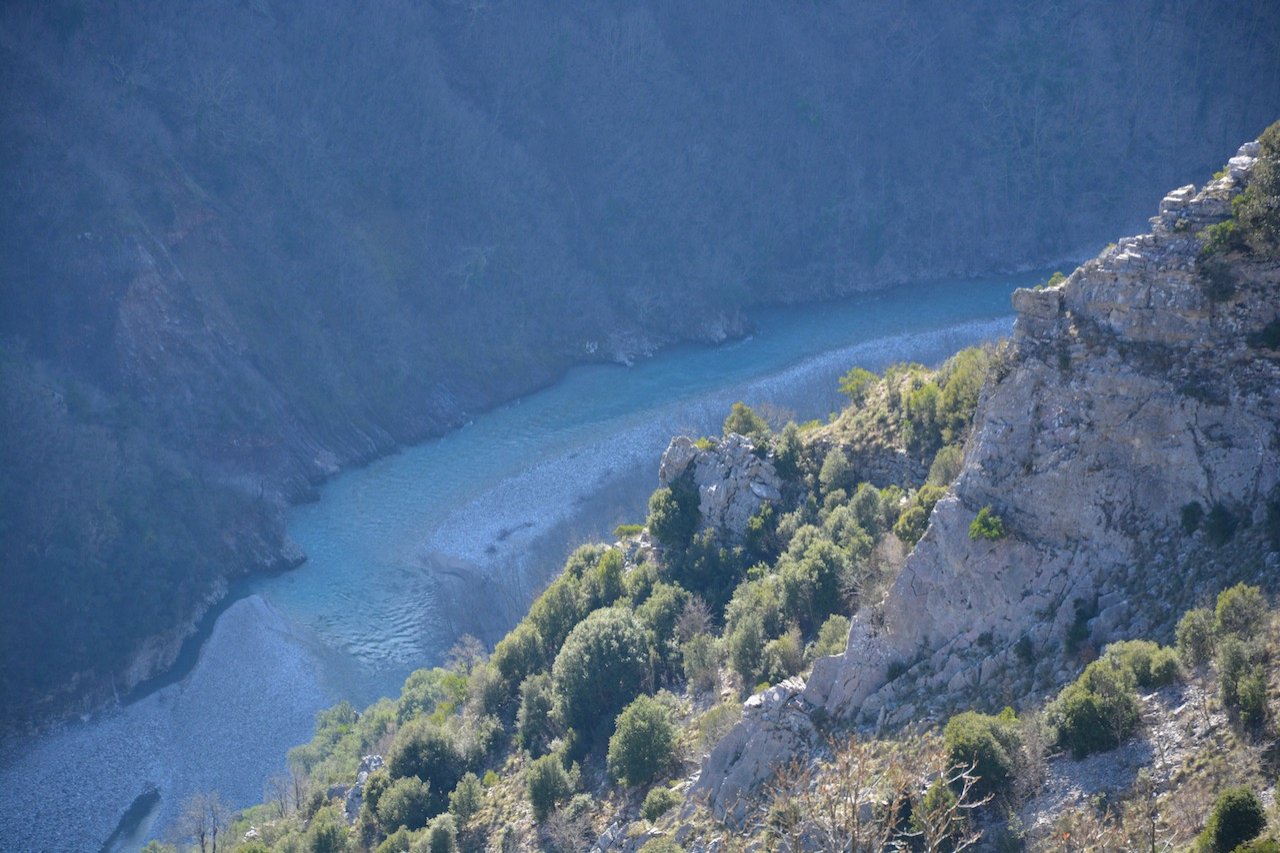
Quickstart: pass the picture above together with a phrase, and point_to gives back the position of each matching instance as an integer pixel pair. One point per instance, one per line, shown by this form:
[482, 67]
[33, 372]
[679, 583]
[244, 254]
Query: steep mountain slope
[248, 243]
[1131, 449]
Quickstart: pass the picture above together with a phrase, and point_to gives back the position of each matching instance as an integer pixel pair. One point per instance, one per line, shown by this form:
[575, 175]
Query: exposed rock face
[733, 482]
[1131, 393]
[353, 797]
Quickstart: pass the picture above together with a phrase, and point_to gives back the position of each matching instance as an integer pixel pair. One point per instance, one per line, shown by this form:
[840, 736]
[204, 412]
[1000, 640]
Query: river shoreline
[505, 530]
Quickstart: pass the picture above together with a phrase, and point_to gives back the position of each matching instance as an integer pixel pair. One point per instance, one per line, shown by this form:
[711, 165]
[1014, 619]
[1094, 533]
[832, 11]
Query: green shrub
[701, 655]
[1151, 665]
[746, 422]
[674, 514]
[1195, 637]
[1251, 693]
[782, 657]
[626, 531]
[1241, 611]
[602, 584]
[643, 744]
[991, 744]
[1257, 209]
[946, 465]
[442, 836]
[518, 655]
[1233, 658]
[553, 615]
[548, 784]
[1220, 238]
[832, 637]
[1098, 711]
[811, 584]
[788, 452]
[327, 832]
[400, 841]
[867, 510]
[836, 472]
[426, 689]
[375, 785]
[1237, 817]
[408, 803]
[911, 524]
[856, 383]
[746, 649]
[987, 525]
[603, 664]
[658, 802]
[659, 614]
[466, 798]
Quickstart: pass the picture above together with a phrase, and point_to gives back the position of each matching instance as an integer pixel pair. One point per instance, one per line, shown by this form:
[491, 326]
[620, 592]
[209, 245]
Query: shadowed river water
[452, 536]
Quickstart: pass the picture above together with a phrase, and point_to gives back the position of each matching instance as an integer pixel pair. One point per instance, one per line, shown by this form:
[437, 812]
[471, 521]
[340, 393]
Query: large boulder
[733, 479]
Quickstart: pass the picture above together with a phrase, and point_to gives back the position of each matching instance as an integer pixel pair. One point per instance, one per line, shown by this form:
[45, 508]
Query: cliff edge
[1131, 448]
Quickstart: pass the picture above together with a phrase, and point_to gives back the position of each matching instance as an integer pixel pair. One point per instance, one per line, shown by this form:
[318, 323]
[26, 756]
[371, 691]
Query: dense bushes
[1098, 711]
[643, 744]
[548, 784]
[658, 802]
[746, 422]
[430, 752]
[568, 681]
[1237, 817]
[406, 802]
[674, 515]
[1232, 635]
[992, 745]
[603, 664]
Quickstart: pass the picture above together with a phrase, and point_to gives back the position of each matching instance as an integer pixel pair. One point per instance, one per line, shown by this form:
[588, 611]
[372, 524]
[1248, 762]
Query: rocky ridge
[1136, 390]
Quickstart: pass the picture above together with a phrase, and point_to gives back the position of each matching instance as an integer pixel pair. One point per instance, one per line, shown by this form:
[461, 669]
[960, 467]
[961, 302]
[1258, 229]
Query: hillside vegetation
[633, 661]
[246, 243]
[586, 721]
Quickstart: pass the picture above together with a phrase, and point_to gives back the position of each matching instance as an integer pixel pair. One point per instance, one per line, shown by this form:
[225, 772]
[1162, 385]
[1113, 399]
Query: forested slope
[245, 243]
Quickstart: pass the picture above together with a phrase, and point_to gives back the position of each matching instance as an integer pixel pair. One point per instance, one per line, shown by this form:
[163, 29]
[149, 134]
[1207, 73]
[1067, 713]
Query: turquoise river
[452, 536]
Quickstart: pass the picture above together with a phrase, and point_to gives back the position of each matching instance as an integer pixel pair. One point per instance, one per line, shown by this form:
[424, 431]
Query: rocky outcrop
[733, 480]
[1137, 388]
[353, 797]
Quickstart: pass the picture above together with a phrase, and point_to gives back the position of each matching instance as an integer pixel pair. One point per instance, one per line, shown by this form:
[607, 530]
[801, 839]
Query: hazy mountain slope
[246, 243]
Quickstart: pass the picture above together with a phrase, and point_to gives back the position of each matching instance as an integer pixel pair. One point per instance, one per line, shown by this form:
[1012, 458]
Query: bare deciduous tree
[203, 819]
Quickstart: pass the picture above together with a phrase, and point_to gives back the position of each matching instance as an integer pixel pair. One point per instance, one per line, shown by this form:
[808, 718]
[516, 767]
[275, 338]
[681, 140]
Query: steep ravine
[1135, 389]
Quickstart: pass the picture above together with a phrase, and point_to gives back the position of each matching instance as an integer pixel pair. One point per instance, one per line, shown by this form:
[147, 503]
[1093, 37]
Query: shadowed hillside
[246, 243]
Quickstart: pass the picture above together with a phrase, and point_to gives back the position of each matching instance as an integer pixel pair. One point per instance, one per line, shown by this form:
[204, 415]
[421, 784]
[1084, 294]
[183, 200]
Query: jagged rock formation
[1138, 388]
[733, 482]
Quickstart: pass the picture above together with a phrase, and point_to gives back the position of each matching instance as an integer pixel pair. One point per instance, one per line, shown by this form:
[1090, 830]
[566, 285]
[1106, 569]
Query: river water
[452, 536]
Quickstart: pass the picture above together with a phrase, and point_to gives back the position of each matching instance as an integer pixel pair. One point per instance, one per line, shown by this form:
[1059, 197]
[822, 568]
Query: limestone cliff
[1142, 391]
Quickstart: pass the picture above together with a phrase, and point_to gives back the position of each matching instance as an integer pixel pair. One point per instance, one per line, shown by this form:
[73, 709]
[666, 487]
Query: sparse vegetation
[987, 525]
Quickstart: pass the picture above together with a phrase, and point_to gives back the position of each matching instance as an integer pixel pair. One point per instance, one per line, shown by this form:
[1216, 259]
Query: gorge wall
[248, 243]
[1131, 446]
